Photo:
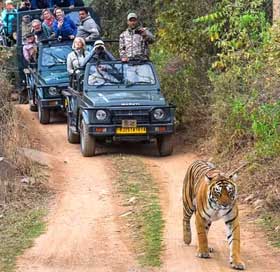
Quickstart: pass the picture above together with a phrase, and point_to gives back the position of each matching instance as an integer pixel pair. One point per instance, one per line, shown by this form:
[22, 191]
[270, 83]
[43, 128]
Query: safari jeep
[47, 78]
[118, 101]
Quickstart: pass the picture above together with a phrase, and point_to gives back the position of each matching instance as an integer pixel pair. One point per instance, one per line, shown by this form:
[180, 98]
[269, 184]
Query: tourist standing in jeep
[63, 26]
[8, 19]
[134, 41]
[76, 58]
[87, 29]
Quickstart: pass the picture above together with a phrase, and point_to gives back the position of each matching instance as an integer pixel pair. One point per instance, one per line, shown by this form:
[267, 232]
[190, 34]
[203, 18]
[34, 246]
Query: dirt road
[83, 232]
[258, 257]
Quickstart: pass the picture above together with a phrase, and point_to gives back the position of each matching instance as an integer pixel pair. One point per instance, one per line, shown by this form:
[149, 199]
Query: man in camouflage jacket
[134, 41]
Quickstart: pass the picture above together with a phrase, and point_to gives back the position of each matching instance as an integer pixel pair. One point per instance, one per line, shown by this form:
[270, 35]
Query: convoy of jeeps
[105, 101]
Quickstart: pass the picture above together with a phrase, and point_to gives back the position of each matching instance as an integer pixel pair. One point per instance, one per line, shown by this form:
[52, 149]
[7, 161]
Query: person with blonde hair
[76, 58]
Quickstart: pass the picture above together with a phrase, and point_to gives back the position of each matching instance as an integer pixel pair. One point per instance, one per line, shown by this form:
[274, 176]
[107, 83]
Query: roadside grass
[17, 232]
[144, 217]
[271, 223]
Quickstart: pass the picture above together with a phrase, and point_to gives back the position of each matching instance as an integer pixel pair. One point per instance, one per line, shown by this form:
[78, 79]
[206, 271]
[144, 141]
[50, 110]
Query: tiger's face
[222, 192]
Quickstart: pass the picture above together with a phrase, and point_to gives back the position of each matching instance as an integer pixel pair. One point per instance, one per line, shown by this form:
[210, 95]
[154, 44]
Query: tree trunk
[276, 10]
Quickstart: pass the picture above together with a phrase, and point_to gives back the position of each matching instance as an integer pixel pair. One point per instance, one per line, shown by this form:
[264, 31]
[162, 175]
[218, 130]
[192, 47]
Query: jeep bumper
[150, 131]
[52, 103]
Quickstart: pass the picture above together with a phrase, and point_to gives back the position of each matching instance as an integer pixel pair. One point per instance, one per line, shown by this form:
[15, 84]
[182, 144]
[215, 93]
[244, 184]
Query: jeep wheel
[165, 145]
[88, 143]
[73, 138]
[33, 107]
[44, 115]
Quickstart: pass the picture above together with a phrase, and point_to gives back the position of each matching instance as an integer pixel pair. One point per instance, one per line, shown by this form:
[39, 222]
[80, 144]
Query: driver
[100, 74]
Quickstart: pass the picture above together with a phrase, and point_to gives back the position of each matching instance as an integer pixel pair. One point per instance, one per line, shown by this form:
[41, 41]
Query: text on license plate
[138, 130]
[129, 123]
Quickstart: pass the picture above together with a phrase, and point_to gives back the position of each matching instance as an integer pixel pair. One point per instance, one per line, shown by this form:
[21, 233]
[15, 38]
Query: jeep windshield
[108, 74]
[55, 55]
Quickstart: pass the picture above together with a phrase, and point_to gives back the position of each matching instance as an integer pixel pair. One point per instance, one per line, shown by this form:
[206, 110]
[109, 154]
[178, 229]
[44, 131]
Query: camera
[139, 31]
[26, 3]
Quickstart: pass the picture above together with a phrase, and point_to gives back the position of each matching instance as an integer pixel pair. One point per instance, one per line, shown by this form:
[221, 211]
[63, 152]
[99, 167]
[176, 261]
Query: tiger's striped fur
[211, 195]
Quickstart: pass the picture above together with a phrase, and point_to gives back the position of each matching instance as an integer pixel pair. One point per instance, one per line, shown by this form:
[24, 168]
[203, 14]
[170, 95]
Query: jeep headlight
[159, 114]
[53, 91]
[101, 115]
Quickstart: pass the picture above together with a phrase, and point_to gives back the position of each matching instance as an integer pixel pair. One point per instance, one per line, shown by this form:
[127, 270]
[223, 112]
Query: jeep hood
[125, 98]
[54, 77]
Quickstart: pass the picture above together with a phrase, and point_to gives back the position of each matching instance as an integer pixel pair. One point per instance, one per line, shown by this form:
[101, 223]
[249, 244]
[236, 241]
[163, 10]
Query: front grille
[141, 116]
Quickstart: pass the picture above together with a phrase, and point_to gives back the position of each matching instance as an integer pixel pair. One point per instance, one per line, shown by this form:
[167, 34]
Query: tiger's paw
[187, 235]
[238, 265]
[204, 255]
[187, 239]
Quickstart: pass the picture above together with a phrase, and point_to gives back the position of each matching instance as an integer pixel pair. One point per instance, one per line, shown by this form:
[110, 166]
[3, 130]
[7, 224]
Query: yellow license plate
[138, 130]
[52, 103]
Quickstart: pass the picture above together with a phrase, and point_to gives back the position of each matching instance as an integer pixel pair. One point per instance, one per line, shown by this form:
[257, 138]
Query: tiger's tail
[188, 207]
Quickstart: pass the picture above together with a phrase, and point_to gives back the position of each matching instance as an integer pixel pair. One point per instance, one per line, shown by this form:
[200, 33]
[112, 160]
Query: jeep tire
[165, 145]
[88, 142]
[32, 106]
[73, 138]
[44, 115]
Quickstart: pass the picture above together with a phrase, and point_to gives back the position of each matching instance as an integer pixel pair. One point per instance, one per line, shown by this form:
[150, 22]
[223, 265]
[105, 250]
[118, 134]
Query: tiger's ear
[234, 177]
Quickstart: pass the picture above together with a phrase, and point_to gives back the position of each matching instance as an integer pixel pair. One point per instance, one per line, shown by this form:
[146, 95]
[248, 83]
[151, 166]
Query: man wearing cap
[98, 53]
[30, 48]
[87, 29]
[26, 26]
[134, 41]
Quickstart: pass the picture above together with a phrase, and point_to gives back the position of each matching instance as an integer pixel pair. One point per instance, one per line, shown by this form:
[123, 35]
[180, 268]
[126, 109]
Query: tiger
[211, 194]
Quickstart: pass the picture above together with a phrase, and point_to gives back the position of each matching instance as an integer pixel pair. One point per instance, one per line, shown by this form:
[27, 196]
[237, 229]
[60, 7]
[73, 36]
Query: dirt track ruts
[83, 233]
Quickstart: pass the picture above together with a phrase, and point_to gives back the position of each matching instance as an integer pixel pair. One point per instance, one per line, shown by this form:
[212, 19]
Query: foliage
[248, 97]
[235, 26]
[24, 225]
[271, 223]
[182, 54]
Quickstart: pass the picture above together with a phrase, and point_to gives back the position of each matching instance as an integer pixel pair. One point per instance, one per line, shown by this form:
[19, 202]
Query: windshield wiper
[54, 64]
[57, 60]
[132, 83]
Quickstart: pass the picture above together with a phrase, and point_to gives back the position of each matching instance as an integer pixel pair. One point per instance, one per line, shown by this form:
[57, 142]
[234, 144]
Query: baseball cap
[8, 2]
[131, 15]
[98, 43]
